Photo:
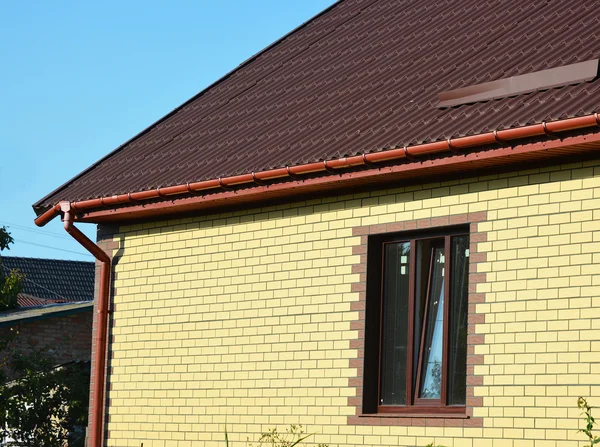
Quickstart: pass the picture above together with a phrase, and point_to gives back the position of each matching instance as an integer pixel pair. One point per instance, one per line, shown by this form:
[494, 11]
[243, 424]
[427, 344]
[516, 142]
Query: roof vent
[516, 85]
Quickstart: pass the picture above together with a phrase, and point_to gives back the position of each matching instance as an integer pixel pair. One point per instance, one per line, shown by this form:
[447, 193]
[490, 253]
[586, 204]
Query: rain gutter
[336, 166]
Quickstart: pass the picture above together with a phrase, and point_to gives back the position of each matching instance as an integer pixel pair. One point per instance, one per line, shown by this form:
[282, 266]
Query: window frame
[374, 325]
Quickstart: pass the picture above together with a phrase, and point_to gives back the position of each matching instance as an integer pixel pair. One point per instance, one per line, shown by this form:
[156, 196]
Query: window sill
[417, 415]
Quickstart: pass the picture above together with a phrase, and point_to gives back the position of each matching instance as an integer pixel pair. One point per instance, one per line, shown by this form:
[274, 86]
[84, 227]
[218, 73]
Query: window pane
[431, 368]
[423, 263]
[394, 334]
[457, 342]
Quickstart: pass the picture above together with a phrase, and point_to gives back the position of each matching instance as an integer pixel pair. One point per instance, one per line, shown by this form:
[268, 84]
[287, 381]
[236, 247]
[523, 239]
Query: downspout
[102, 322]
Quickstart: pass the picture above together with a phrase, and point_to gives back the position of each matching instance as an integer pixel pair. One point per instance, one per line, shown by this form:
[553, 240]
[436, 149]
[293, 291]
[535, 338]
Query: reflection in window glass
[457, 342]
[395, 318]
[431, 372]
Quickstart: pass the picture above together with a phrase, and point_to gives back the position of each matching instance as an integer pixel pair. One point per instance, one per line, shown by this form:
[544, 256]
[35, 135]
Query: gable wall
[254, 319]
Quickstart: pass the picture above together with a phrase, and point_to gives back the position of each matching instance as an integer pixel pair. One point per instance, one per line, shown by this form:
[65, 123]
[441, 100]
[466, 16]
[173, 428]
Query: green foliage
[5, 239]
[10, 287]
[589, 422]
[43, 404]
[11, 284]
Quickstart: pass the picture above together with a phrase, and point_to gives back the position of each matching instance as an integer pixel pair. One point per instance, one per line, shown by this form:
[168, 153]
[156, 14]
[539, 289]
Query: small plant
[590, 422]
[272, 438]
[292, 436]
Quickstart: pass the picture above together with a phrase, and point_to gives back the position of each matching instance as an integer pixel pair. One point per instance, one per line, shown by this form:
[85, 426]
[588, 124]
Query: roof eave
[28, 315]
[342, 173]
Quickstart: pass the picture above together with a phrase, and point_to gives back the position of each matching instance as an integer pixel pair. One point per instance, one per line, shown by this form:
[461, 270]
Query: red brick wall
[69, 336]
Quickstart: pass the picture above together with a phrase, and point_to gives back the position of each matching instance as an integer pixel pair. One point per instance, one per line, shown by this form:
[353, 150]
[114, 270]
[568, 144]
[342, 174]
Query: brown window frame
[374, 325]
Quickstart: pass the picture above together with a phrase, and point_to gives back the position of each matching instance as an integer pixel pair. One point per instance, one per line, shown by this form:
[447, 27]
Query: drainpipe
[101, 328]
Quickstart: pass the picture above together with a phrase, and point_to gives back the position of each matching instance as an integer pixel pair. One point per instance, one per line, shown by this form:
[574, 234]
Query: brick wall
[68, 336]
[254, 319]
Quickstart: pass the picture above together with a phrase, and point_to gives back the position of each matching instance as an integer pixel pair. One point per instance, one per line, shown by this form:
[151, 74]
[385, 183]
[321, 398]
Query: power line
[34, 230]
[39, 285]
[52, 248]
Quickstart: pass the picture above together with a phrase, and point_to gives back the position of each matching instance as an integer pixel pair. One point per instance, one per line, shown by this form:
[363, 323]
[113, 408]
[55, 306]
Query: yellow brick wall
[245, 319]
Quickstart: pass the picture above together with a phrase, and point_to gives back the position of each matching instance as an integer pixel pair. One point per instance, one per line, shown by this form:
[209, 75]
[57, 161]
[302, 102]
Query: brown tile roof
[26, 300]
[362, 76]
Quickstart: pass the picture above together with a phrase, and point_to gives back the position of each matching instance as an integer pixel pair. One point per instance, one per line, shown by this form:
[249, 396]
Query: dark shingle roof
[362, 76]
[55, 280]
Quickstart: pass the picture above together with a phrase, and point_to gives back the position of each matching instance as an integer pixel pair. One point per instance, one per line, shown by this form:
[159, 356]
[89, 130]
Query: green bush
[42, 404]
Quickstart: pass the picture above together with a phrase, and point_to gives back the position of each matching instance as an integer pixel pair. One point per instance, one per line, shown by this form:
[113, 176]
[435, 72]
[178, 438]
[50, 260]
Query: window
[416, 328]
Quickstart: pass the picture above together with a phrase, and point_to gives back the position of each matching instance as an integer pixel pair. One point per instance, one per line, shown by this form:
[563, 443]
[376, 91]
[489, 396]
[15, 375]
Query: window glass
[416, 331]
[432, 350]
[394, 327]
[457, 343]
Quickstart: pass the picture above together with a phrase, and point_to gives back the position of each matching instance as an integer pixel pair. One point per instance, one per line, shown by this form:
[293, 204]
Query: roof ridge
[46, 259]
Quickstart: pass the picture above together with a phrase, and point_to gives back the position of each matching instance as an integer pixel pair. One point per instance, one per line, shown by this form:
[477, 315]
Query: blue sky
[77, 79]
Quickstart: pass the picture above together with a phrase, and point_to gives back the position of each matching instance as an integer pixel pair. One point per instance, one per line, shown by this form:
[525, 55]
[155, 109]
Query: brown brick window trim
[473, 339]
[105, 236]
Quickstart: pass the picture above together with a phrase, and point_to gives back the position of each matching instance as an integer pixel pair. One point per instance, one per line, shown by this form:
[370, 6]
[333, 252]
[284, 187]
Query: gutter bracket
[549, 133]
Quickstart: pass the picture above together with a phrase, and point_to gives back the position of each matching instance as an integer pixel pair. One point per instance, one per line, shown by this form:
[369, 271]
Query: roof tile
[53, 280]
[362, 76]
